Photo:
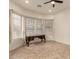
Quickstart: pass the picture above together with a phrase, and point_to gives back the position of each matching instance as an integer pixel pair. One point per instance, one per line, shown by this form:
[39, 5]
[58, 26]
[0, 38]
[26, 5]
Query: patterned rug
[38, 50]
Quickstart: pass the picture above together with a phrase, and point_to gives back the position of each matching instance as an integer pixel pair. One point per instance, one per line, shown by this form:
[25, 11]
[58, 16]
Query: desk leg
[27, 42]
[41, 40]
[44, 39]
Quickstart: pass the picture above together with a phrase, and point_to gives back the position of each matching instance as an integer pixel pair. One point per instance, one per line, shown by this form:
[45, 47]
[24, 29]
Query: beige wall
[61, 26]
[61, 29]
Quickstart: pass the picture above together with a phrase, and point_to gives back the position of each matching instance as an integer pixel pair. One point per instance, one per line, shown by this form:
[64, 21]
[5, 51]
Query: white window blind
[16, 26]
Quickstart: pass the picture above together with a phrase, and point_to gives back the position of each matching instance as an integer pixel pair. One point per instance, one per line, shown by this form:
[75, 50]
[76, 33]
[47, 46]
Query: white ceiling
[32, 6]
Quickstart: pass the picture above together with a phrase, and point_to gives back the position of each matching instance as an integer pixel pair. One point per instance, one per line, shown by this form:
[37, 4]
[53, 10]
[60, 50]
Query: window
[16, 26]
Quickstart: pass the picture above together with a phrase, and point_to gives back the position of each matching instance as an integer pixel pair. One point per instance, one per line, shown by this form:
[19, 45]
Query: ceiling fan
[53, 2]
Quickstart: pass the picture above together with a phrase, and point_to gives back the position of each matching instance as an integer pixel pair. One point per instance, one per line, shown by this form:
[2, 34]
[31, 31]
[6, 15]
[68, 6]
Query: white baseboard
[64, 42]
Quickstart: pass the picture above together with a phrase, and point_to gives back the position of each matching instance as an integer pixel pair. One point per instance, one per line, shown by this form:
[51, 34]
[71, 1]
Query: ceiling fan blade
[47, 2]
[59, 1]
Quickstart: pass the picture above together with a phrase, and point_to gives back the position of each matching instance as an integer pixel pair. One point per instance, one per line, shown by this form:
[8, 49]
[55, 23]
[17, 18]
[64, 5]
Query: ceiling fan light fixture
[26, 1]
[52, 2]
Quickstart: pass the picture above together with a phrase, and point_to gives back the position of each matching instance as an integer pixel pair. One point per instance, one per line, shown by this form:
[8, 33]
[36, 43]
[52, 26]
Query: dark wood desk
[30, 38]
